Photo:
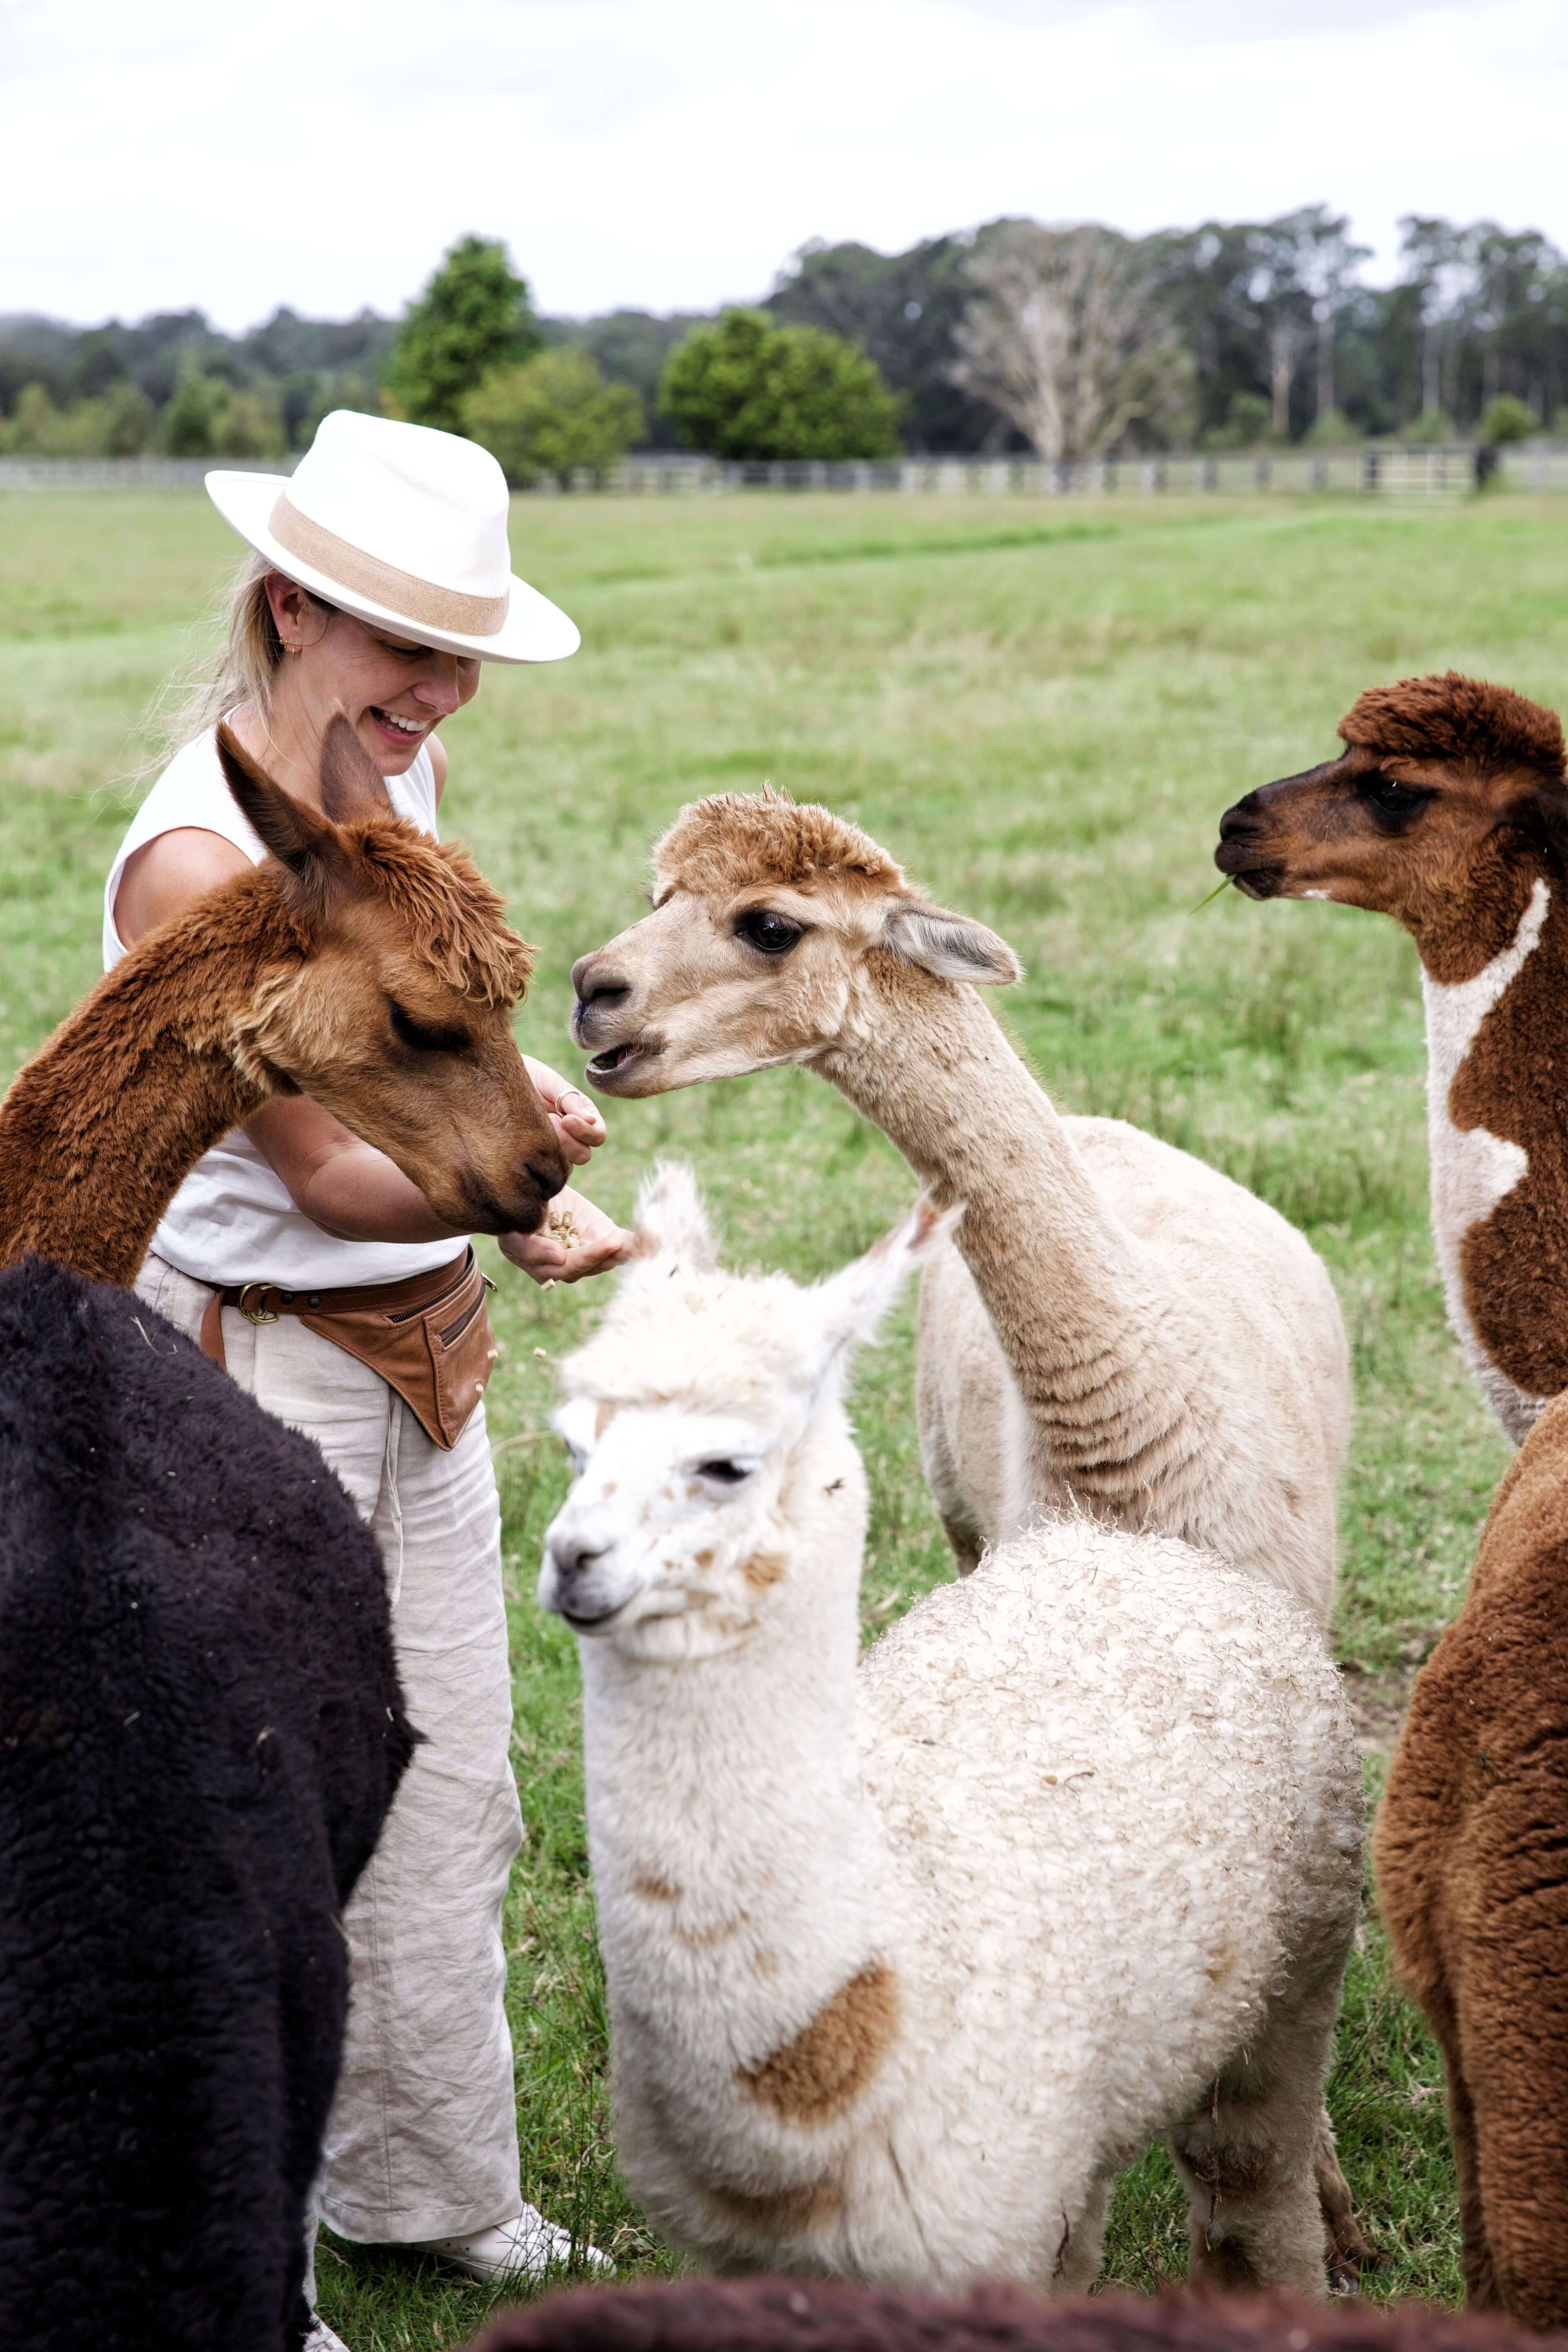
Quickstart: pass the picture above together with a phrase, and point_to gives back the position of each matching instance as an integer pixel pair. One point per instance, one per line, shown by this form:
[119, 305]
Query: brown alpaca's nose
[547, 1172]
[1240, 818]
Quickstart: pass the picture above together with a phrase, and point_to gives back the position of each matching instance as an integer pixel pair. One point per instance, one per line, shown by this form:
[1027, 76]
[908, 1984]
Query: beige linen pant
[422, 2139]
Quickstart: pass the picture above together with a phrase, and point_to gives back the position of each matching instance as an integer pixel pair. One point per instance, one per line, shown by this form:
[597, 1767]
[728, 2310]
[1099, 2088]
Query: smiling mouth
[412, 727]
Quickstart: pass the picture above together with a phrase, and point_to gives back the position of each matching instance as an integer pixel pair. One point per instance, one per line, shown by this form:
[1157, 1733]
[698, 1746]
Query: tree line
[1071, 342]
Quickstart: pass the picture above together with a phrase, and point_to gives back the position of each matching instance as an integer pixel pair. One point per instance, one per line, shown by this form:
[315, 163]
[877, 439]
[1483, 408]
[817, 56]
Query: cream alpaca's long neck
[99, 1130]
[1077, 1302]
[739, 1866]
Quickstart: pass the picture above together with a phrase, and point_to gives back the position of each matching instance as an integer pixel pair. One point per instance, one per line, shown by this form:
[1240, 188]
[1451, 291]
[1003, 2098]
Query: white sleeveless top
[232, 1220]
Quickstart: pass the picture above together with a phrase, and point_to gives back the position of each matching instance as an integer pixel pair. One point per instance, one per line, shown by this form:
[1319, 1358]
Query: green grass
[1043, 722]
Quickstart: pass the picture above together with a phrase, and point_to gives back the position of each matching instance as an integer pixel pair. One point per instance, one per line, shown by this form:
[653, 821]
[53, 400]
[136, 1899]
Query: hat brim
[534, 630]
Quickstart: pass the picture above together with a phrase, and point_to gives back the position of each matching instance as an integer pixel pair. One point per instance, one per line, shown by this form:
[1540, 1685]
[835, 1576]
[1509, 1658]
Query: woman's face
[394, 690]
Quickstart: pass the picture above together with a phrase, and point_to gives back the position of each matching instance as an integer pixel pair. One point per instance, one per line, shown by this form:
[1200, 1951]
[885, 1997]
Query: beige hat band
[382, 584]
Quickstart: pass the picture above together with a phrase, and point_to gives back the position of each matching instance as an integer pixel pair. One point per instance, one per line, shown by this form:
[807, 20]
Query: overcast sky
[671, 154]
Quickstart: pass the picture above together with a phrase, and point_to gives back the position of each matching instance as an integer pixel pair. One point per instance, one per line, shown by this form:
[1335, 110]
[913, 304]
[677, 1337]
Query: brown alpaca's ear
[296, 837]
[354, 789]
[950, 947]
[1542, 818]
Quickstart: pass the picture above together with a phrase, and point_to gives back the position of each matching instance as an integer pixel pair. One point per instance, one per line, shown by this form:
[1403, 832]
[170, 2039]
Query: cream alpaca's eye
[774, 934]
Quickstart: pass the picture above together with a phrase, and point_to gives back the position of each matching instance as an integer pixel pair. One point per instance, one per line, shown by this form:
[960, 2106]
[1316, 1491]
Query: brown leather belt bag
[428, 1337]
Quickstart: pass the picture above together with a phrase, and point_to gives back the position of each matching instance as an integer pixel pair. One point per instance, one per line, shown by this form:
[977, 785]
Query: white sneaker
[321, 2338]
[522, 2250]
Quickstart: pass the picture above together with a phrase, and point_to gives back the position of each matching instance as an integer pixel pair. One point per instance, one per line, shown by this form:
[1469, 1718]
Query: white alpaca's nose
[579, 1579]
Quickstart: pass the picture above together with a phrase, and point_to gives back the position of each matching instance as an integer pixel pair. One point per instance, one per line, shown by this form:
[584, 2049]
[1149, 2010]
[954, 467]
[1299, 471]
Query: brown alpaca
[1448, 811]
[802, 2314]
[1471, 1846]
[360, 964]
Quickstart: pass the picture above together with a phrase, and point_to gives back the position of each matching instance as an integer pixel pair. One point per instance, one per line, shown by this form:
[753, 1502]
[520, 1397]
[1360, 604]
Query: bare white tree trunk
[1063, 339]
[1325, 361]
[1281, 369]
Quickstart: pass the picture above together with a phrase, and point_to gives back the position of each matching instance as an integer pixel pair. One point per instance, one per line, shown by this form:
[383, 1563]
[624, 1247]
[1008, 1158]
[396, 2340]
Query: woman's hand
[579, 1128]
[584, 1242]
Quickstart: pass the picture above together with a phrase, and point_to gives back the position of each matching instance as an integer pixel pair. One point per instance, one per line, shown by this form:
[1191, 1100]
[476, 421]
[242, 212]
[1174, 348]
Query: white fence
[1396, 470]
[1385, 470]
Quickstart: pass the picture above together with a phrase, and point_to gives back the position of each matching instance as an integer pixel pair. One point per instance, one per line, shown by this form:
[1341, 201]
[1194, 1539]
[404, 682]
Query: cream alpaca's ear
[671, 1220]
[850, 1305]
[950, 947]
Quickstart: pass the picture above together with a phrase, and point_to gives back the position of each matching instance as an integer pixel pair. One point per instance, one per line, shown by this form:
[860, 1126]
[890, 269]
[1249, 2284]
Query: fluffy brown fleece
[734, 840]
[1471, 1849]
[1459, 721]
[778, 2315]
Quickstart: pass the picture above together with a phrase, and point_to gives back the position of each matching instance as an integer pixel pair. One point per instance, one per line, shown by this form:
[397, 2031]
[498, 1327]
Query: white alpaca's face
[672, 1527]
[685, 1414]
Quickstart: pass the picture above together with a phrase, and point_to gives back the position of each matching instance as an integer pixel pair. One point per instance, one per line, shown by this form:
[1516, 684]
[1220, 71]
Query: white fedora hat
[404, 526]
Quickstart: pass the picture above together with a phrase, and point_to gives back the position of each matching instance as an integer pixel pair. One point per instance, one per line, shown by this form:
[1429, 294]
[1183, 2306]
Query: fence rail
[1377, 470]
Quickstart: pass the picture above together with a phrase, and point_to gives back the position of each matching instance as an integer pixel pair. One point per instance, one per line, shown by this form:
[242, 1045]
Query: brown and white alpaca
[360, 964]
[1119, 1328]
[1449, 809]
[1469, 1848]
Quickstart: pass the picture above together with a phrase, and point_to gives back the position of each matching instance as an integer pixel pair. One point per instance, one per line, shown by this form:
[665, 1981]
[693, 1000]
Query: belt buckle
[253, 1313]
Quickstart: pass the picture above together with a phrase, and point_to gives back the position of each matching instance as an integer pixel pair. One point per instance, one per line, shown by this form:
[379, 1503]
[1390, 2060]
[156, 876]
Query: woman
[380, 583]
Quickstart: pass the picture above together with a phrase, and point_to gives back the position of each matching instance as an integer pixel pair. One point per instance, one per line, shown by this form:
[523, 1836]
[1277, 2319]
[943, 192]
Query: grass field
[1043, 717]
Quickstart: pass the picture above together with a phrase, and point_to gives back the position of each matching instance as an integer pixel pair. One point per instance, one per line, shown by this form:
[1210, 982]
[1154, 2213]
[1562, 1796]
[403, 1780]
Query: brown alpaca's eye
[1387, 799]
[421, 1037]
[774, 934]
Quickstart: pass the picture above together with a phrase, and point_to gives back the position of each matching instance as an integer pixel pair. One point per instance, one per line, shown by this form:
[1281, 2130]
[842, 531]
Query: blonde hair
[245, 671]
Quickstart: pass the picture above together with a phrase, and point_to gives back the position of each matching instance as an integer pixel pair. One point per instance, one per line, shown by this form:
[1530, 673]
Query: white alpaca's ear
[851, 1305]
[950, 947]
[671, 1220]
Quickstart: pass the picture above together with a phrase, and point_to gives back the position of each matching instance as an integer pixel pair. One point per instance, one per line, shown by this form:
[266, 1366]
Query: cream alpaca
[905, 1962]
[1124, 1330]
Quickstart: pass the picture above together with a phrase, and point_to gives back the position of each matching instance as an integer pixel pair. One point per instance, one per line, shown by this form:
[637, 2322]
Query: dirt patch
[1378, 1703]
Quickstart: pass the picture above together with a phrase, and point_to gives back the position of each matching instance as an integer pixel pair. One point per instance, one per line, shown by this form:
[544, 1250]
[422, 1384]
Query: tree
[190, 420]
[1065, 338]
[129, 421]
[745, 387]
[902, 310]
[552, 416]
[474, 316]
[1506, 418]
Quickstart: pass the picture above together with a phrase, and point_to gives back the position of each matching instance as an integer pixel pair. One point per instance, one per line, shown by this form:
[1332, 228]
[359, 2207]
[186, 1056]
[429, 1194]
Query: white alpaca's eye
[725, 1472]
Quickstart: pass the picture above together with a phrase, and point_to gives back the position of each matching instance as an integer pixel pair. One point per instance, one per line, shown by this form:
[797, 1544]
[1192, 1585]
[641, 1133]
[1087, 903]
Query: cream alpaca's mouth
[616, 1059]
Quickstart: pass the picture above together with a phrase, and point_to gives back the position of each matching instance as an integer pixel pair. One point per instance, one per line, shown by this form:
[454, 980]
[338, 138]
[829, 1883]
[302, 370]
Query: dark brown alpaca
[1449, 809]
[360, 964]
[798, 2315]
[1472, 1848]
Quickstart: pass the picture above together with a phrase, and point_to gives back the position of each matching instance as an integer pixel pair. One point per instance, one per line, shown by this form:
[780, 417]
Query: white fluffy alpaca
[905, 1962]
